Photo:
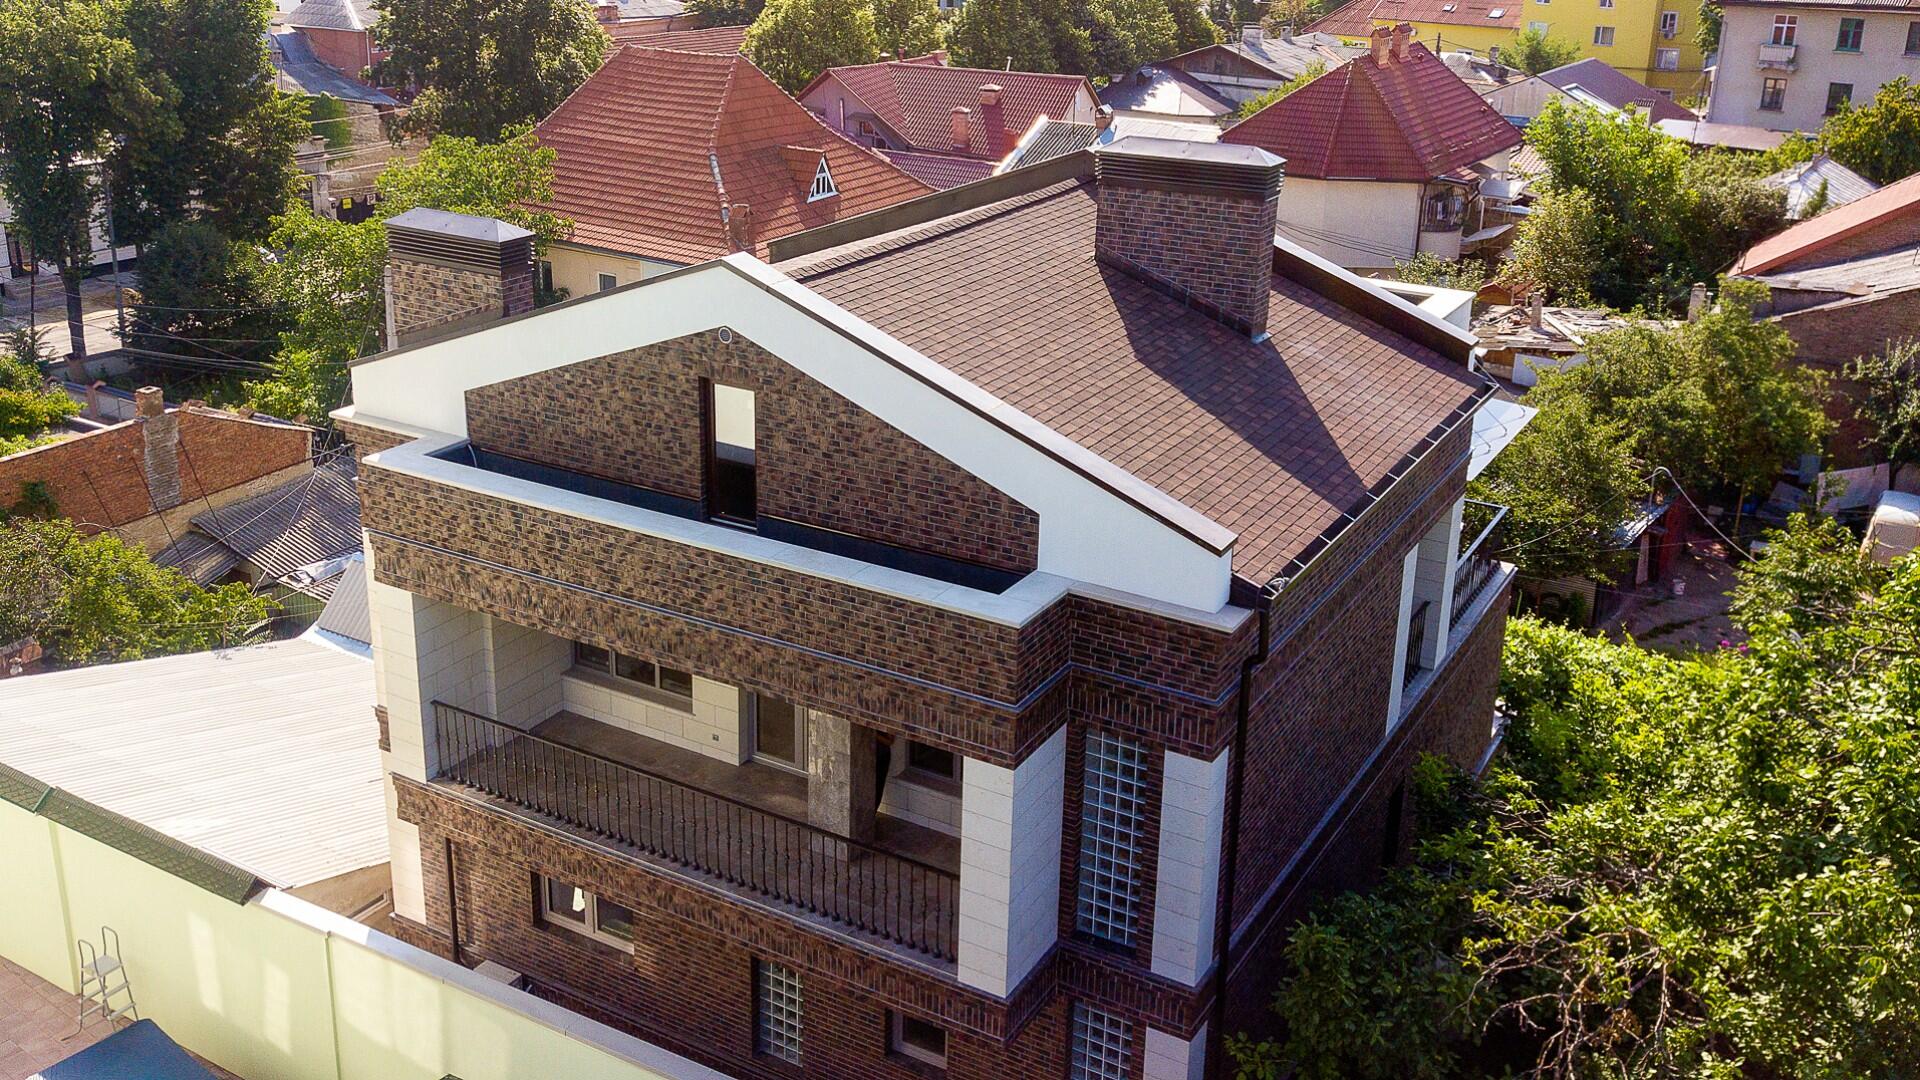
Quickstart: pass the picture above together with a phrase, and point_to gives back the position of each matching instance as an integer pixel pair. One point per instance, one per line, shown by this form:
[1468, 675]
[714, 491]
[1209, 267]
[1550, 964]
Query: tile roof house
[1587, 82]
[670, 35]
[666, 158]
[1255, 62]
[946, 125]
[1884, 220]
[1019, 586]
[1386, 156]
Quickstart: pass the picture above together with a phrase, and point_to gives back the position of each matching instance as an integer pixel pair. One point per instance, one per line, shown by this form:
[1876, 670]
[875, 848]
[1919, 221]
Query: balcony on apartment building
[1776, 57]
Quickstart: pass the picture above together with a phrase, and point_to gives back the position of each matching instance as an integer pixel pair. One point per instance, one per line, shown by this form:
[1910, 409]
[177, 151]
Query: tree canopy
[488, 65]
[1078, 37]
[1699, 866]
[1889, 399]
[908, 27]
[1535, 51]
[27, 407]
[1881, 139]
[794, 40]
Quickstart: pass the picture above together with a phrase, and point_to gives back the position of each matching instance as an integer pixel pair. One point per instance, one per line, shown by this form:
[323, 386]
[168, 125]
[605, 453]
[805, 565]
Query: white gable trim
[1098, 523]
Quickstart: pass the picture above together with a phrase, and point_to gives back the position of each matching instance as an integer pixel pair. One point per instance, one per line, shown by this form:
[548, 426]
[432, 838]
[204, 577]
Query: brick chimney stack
[1380, 44]
[994, 119]
[160, 447]
[962, 127]
[447, 272]
[1402, 41]
[1193, 219]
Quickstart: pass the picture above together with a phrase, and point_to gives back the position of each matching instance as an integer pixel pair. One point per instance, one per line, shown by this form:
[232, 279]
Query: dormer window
[822, 184]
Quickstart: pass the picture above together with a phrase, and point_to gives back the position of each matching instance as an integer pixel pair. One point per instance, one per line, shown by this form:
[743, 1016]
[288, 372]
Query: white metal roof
[266, 756]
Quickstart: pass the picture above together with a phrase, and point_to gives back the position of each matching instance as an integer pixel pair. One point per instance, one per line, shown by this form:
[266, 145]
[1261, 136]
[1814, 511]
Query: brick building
[956, 647]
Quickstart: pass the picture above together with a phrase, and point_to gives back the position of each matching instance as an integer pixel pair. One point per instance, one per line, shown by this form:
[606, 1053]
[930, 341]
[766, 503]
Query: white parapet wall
[277, 987]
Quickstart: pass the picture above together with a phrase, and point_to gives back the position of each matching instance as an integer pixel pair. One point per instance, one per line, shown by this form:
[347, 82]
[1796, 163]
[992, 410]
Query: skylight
[1496, 13]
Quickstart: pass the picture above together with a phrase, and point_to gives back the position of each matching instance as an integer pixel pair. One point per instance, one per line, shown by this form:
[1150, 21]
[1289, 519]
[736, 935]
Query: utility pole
[113, 245]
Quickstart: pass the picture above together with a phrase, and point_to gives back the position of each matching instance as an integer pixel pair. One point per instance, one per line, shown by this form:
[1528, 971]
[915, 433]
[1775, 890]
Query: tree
[725, 12]
[1534, 52]
[1127, 33]
[1880, 140]
[1191, 27]
[1429, 269]
[27, 407]
[1681, 866]
[98, 599]
[907, 27]
[1294, 13]
[1707, 34]
[219, 140]
[794, 40]
[1262, 100]
[487, 179]
[57, 115]
[200, 297]
[1559, 248]
[1005, 33]
[487, 65]
[1889, 399]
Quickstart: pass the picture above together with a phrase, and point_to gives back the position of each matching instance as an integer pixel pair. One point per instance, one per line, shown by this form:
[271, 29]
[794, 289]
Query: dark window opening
[1773, 94]
[734, 496]
[1396, 821]
[932, 759]
[910, 1036]
[1839, 96]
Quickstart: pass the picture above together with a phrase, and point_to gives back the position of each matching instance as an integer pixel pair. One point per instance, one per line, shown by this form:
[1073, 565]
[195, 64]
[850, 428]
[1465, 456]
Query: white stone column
[1169, 1057]
[1010, 821]
[1193, 811]
[1396, 681]
[1433, 581]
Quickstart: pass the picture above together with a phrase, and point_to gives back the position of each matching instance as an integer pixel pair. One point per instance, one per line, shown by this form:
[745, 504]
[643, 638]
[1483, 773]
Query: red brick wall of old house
[342, 49]
[1827, 338]
[1897, 232]
[101, 480]
[821, 460]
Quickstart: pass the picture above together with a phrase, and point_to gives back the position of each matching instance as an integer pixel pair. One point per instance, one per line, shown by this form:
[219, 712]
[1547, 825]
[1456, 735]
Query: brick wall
[1827, 338]
[367, 439]
[427, 297]
[1217, 248]
[112, 478]
[1896, 232]
[820, 459]
[346, 50]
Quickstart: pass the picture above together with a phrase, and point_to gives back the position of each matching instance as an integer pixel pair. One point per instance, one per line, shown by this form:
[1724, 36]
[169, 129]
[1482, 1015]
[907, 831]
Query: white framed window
[731, 464]
[573, 908]
[608, 281]
[1784, 29]
[779, 733]
[822, 184]
[921, 1040]
[1537, 27]
[1666, 59]
[1669, 24]
[776, 1011]
[1113, 804]
[1606, 3]
[669, 682]
[1102, 1045]
[1603, 35]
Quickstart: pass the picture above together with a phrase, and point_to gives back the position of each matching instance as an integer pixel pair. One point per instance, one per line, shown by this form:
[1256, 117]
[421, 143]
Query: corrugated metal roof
[304, 521]
[346, 611]
[330, 15]
[265, 756]
[1803, 183]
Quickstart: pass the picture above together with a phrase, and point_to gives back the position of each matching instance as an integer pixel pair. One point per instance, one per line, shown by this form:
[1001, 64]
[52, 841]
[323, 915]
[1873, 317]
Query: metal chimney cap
[463, 226]
[1190, 152]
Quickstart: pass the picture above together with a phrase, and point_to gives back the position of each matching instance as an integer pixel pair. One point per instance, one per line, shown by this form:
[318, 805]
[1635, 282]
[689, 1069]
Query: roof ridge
[713, 151]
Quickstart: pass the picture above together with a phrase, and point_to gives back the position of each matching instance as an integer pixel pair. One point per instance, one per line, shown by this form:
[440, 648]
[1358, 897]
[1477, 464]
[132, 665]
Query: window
[608, 281]
[776, 1027]
[932, 760]
[731, 411]
[1784, 27]
[654, 676]
[870, 135]
[546, 275]
[1851, 31]
[1913, 39]
[1606, 3]
[1112, 808]
[1102, 1045]
[1773, 94]
[1537, 27]
[910, 1036]
[1669, 24]
[779, 733]
[1666, 59]
[1839, 95]
[822, 184]
[1603, 35]
[582, 912]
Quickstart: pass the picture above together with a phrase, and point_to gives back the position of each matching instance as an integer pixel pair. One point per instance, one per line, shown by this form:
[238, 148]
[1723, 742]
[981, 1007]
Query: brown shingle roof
[1274, 440]
[940, 171]
[1405, 120]
[915, 99]
[640, 143]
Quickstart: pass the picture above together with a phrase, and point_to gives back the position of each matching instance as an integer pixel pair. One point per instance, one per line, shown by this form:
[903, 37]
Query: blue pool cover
[139, 1052]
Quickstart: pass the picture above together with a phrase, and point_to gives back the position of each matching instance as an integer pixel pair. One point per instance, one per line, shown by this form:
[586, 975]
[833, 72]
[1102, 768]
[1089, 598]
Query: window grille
[1113, 806]
[1102, 1045]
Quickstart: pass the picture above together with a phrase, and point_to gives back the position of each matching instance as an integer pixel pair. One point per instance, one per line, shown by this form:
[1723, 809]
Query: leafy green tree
[1127, 33]
[1026, 35]
[67, 84]
[1534, 52]
[1191, 27]
[1879, 140]
[725, 12]
[1707, 34]
[27, 407]
[1430, 269]
[219, 140]
[200, 296]
[794, 40]
[97, 599]
[1559, 246]
[487, 65]
[1889, 399]
[1260, 101]
[488, 179]
[907, 27]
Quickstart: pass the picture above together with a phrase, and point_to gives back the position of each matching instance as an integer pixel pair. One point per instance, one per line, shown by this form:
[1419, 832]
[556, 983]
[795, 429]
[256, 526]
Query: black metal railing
[1476, 567]
[1416, 643]
[892, 896]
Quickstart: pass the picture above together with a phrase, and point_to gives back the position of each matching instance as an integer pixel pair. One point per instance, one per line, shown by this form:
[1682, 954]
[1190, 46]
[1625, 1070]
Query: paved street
[50, 312]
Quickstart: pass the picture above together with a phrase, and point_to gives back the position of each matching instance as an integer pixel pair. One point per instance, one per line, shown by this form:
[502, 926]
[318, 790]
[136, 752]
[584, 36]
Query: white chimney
[1536, 309]
[1252, 34]
[1697, 301]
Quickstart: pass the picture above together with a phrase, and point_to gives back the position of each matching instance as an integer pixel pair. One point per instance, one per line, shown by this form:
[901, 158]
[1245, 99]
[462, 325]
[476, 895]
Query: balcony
[742, 828]
[1778, 57]
[1476, 568]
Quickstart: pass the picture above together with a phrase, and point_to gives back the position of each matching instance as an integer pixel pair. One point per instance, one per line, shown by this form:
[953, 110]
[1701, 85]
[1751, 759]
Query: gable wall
[821, 460]
[1898, 231]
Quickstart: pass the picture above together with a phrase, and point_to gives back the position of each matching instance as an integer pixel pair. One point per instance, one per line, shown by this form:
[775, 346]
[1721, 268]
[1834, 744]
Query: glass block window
[1113, 807]
[777, 1012]
[1102, 1045]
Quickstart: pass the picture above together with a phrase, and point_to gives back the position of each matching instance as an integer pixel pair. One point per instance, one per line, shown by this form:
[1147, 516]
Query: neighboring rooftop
[1729, 136]
[298, 70]
[1484, 75]
[1050, 139]
[658, 147]
[1155, 88]
[1562, 330]
[1805, 182]
[723, 40]
[916, 99]
[939, 171]
[1808, 238]
[1356, 17]
[1601, 81]
[279, 533]
[1286, 55]
[265, 756]
[331, 15]
[1275, 440]
[1409, 118]
[1868, 278]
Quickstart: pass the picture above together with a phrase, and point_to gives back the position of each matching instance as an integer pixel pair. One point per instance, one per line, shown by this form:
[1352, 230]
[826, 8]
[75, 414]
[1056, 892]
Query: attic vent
[822, 184]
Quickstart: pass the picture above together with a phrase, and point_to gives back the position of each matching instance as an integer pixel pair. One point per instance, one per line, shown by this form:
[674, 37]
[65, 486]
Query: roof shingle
[916, 98]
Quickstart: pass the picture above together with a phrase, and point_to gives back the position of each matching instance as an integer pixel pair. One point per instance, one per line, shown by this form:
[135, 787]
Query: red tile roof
[1802, 241]
[941, 171]
[915, 99]
[1274, 440]
[1356, 17]
[1405, 120]
[1353, 19]
[640, 144]
[713, 39]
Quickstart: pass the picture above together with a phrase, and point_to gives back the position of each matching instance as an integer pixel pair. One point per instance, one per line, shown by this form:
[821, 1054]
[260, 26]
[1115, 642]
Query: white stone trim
[1193, 811]
[1010, 828]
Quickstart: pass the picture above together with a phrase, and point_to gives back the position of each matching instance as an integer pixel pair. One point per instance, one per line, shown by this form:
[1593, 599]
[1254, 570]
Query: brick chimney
[1402, 41]
[149, 402]
[740, 226]
[160, 447]
[452, 271]
[994, 119]
[607, 13]
[962, 127]
[1195, 220]
[1536, 310]
[1380, 44]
